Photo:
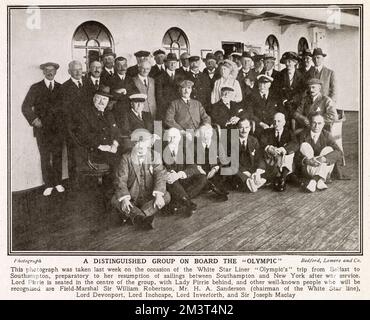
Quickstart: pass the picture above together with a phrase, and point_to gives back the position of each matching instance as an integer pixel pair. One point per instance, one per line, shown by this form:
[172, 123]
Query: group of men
[276, 128]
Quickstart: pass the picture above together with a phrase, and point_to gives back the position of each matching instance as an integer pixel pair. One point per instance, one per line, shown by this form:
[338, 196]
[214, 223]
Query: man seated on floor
[140, 183]
[210, 157]
[317, 154]
[249, 173]
[184, 181]
[279, 145]
[135, 118]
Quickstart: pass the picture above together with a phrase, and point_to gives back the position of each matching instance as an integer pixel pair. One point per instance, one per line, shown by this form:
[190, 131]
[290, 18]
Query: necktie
[50, 87]
[264, 97]
[277, 136]
[187, 102]
[244, 144]
[79, 84]
[111, 73]
[96, 84]
[145, 83]
[172, 76]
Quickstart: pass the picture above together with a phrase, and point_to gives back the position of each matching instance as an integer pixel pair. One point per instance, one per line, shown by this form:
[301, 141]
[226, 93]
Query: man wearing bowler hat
[141, 56]
[211, 70]
[159, 67]
[107, 58]
[258, 64]
[40, 108]
[326, 75]
[306, 62]
[186, 113]
[167, 86]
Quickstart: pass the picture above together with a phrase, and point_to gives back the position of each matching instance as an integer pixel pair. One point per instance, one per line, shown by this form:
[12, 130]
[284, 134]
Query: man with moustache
[211, 70]
[93, 78]
[167, 86]
[40, 108]
[185, 65]
[201, 90]
[140, 183]
[159, 67]
[107, 58]
[141, 56]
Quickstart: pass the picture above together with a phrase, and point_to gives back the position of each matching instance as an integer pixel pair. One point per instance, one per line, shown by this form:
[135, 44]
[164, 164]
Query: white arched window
[175, 41]
[89, 41]
[272, 48]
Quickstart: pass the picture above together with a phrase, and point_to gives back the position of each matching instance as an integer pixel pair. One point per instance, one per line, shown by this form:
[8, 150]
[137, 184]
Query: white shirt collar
[170, 73]
[243, 139]
[185, 100]
[93, 79]
[122, 77]
[143, 78]
[47, 83]
[186, 69]
[266, 94]
[137, 114]
[206, 145]
[160, 66]
[319, 68]
[76, 81]
[109, 70]
[314, 136]
[173, 148]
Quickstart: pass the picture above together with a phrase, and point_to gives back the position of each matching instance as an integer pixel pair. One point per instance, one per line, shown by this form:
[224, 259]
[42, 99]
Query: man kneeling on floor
[140, 183]
[279, 145]
[318, 154]
[249, 174]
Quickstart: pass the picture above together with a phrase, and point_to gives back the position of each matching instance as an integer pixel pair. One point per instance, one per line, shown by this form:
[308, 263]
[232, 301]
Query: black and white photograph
[185, 129]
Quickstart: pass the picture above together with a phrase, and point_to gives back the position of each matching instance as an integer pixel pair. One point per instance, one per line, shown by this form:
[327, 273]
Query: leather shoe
[188, 203]
[222, 197]
[281, 185]
[217, 190]
[144, 222]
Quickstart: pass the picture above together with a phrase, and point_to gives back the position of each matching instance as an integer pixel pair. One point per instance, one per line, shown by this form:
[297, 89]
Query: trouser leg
[45, 159]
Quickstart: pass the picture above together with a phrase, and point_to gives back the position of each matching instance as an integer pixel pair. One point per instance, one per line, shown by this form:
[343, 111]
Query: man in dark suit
[279, 145]
[185, 65]
[258, 64]
[140, 184]
[263, 105]
[249, 173]
[93, 78]
[96, 128]
[135, 118]
[306, 63]
[209, 155]
[185, 113]
[326, 75]
[202, 86]
[269, 70]
[159, 67]
[167, 86]
[40, 108]
[219, 55]
[73, 94]
[184, 181]
[318, 154]
[107, 58]
[141, 56]
[247, 63]
[211, 70]
[315, 102]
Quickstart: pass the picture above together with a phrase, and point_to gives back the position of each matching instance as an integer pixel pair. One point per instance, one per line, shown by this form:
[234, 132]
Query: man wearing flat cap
[211, 70]
[186, 113]
[166, 86]
[315, 102]
[141, 56]
[159, 67]
[326, 75]
[40, 108]
[202, 89]
[262, 105]
[107, 58]
[185, 65]
[135, 118]
[140, 183]
[291, 82]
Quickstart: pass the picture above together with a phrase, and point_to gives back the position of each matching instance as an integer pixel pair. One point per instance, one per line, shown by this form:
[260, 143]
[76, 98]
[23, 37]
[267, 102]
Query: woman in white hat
[229, 72]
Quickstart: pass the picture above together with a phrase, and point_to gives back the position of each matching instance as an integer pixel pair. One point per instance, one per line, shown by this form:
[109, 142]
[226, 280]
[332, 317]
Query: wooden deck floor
[266, 221]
